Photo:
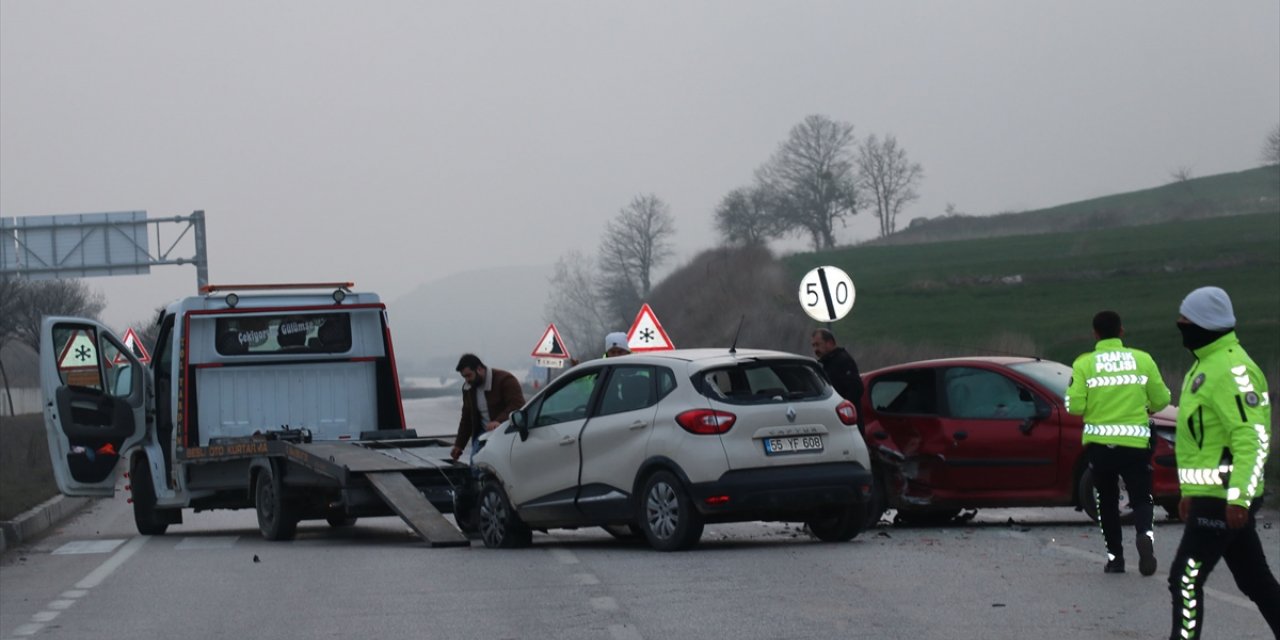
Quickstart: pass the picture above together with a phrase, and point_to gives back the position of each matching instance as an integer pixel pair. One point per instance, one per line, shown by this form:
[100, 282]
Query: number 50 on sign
[826, 294]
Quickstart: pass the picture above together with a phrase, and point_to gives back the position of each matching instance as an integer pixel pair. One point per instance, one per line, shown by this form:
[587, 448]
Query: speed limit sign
[826, 294]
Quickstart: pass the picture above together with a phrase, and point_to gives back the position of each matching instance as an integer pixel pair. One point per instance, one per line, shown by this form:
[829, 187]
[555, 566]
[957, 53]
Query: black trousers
[1109, 464]
[1205, 539]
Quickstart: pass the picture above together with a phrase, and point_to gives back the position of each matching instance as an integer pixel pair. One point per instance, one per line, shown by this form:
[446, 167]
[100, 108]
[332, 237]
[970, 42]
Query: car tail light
[706, 422]
[848, 414]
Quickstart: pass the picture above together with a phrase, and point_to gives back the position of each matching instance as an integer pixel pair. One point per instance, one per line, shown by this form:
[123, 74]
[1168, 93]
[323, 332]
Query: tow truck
[282, 398]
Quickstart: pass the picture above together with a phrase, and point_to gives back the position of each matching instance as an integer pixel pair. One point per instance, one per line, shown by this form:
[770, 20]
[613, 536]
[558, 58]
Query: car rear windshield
[763, 382]
[293, 333]
[1055, 376]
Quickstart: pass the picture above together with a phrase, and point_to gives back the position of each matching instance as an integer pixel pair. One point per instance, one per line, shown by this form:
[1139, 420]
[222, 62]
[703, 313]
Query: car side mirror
[521, 423]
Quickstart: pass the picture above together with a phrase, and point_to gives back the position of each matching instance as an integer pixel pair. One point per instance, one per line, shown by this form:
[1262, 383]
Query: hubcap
[493, 518]
[662, 510]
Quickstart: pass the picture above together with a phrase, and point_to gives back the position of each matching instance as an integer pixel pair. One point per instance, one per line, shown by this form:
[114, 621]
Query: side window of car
[666, 382]
[569, 402]
[982, 394]
[628, 389]
[906, 392]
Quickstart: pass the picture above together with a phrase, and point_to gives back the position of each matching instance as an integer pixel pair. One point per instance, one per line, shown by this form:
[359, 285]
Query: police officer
[1115, 388]
[1223, 437]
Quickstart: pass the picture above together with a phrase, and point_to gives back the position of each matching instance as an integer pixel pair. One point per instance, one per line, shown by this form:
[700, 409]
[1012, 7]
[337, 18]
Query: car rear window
[763, 382]
[293, 333]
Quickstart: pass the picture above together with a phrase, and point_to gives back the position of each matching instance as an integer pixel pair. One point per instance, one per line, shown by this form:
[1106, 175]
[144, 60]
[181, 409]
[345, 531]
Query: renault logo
[791, 413]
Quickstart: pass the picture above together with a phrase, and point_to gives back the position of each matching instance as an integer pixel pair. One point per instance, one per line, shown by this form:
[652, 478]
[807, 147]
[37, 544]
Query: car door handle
[960, 435]
[567, 440]
[638, 424]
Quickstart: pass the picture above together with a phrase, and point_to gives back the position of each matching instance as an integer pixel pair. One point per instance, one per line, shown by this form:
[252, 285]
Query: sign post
[827, 294]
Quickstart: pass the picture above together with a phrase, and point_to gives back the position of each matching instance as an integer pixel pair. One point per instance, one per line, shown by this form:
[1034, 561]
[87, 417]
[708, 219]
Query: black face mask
[1195, 336]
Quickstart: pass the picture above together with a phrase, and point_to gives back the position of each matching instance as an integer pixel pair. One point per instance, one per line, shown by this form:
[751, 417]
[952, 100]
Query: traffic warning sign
[134, 344]
[647, 334]
[551, 351]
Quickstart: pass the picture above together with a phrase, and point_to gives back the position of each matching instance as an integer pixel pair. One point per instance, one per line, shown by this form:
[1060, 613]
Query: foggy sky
[393, 143]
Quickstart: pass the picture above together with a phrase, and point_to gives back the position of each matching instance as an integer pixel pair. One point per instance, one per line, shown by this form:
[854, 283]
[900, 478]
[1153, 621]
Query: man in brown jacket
[488, 397]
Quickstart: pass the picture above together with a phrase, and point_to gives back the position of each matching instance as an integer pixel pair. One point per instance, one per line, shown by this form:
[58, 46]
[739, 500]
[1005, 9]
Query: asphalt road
[1016, 573]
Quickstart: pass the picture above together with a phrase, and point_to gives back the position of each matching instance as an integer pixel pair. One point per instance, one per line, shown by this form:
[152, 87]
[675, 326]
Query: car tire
[930, 518]
[1090, 506]
[338, 522]
[668, 518]
[277, 516]
[842, 527]
[146, 516]
[500, 525]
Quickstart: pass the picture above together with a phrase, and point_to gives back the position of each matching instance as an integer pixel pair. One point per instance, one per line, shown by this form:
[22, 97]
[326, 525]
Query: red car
[958, 433]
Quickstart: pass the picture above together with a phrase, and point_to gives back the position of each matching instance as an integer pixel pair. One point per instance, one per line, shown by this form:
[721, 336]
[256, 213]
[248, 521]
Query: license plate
[795, 444]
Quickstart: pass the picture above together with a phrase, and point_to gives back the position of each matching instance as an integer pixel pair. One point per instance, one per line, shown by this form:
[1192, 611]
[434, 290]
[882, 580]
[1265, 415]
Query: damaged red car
[962, 433]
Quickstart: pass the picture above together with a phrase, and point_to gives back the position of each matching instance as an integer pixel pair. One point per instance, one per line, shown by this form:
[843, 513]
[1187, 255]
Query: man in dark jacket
[841, 369]
[488, 398]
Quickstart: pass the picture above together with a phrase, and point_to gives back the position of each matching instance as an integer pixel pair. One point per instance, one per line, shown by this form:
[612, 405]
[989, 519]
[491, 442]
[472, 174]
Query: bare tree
[749, 216]
[636, 241]
[574, 303]
[54, 298]
[12, 292]
[891, 180]
[1271, 148]
[811, 175]
[1181, 174]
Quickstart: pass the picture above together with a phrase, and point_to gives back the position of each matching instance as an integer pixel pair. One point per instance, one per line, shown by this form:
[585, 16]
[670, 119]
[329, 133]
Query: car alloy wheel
[500, 527]
[668, 518]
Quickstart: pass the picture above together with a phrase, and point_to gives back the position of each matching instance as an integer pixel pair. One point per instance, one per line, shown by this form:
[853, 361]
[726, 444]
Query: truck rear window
[293, 333]
[764, 382]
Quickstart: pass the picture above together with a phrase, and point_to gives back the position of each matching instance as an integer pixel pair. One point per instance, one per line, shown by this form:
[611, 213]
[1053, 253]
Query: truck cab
[245, 384]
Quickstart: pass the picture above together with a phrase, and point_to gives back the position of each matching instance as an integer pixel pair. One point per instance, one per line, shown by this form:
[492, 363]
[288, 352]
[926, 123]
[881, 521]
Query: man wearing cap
[1223, 437]
[615, 344]
[1114, 388]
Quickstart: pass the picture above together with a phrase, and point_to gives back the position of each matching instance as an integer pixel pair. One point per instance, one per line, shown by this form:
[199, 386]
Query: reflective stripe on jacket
[1224, 424]
[1115, 388]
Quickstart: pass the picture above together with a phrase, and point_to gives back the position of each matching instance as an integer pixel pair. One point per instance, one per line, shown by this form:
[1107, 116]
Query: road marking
[77, 547]
[28, 629]
[96, 576]
[45, 616]
[565, 556]
[624, 632]
[585, 579]
[61, 605]
[73, 594]
[205, 543]
[604, 603]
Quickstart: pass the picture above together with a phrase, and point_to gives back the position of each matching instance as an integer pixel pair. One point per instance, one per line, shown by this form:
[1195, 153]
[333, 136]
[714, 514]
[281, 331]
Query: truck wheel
[667, 516]
[277, 518]
[1090, 505]
[840, 528]
[500, 526]
[145, 515]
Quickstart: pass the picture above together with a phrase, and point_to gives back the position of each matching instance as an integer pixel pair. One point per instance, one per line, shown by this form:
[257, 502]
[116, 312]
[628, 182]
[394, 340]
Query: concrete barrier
[39, 519]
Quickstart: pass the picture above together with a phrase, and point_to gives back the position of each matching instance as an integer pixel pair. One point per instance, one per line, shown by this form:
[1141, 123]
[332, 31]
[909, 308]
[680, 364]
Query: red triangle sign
[550, 345]
[134, 344]
[647, 334]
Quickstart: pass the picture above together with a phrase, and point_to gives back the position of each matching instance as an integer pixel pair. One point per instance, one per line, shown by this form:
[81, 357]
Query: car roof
[1003, 361]
[705, 357]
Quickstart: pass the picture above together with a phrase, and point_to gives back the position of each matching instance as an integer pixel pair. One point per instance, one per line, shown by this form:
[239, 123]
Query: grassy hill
[1252, 191]
[1038, 293]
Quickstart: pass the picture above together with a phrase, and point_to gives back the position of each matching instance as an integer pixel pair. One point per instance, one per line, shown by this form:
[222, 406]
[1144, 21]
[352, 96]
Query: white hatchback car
[660, 444]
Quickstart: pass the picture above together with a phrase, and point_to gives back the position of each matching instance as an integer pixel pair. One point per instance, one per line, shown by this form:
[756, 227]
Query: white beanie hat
[1209, 308]
[615, 339]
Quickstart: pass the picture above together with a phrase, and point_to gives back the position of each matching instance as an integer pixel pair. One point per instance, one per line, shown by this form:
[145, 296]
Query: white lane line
[604, 603]
[565, 556]
[45, 616]
[1243, 603]
[73, 594]
[60, 605]
[28, 629]
[76, 547]
[585, 579]
[96, 576]
[624, 632]
[194, 544]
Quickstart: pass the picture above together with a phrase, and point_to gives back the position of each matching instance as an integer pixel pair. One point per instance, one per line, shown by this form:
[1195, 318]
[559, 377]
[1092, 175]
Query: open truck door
[95, 400]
